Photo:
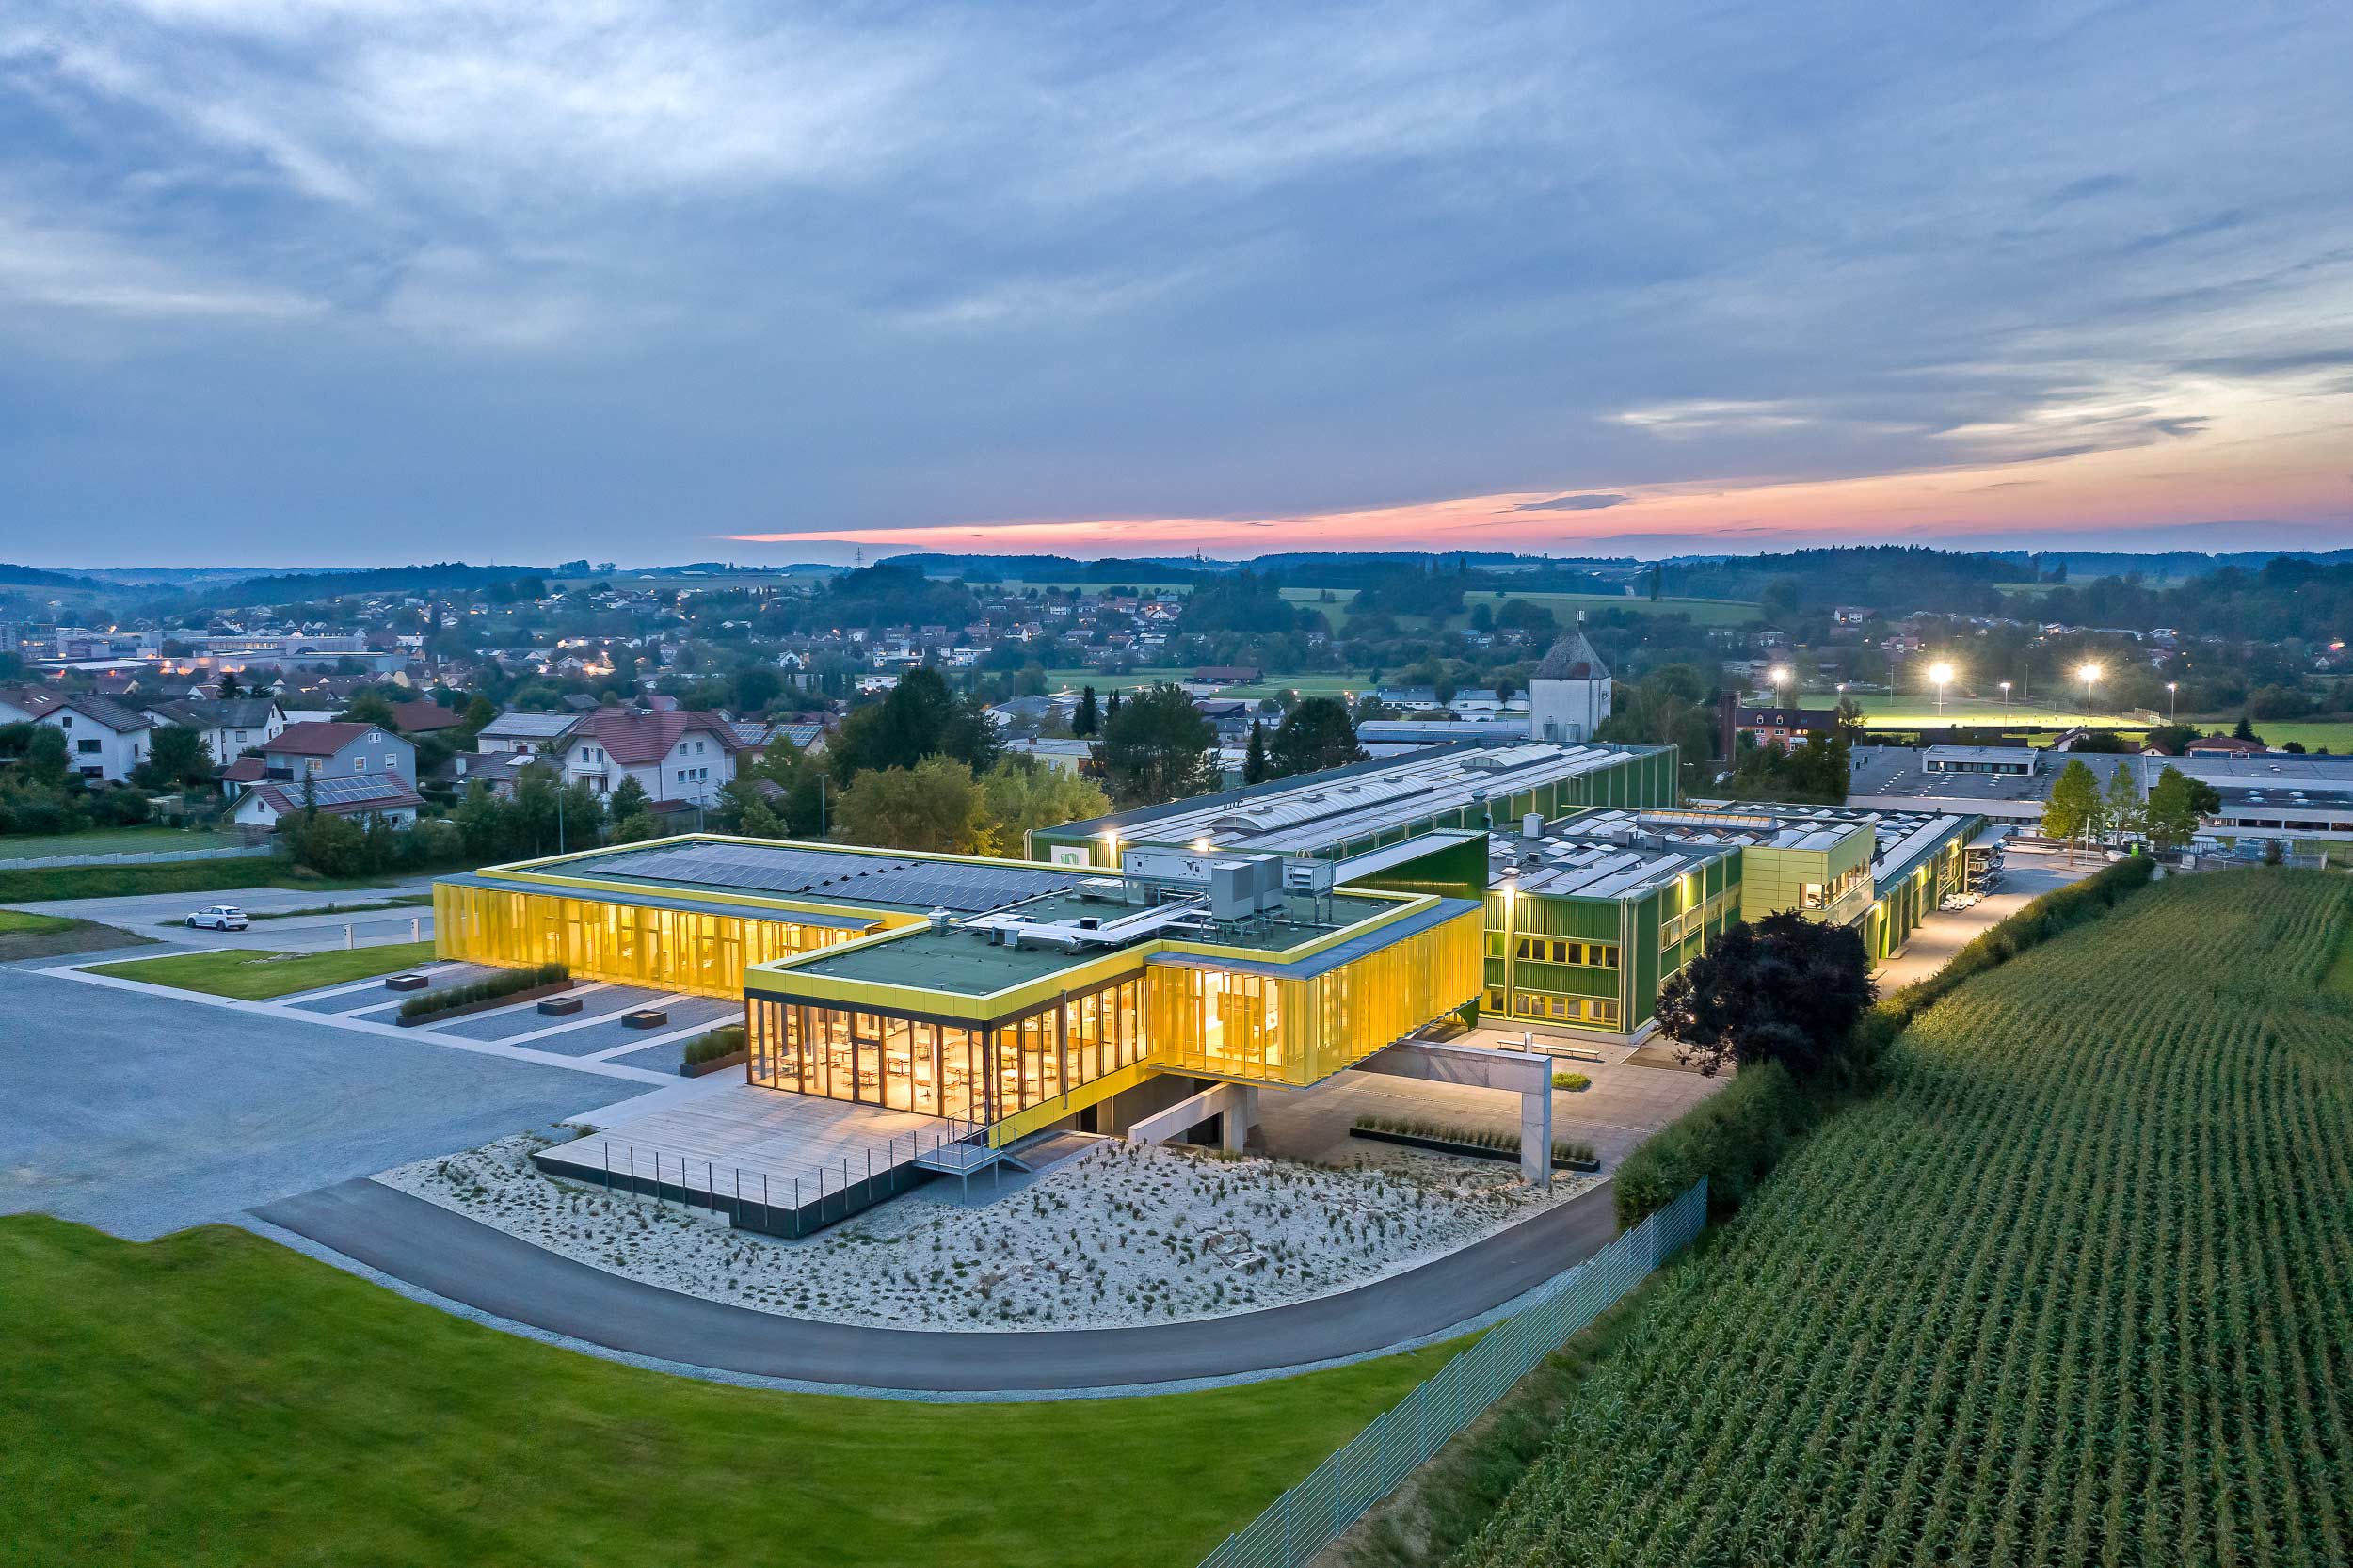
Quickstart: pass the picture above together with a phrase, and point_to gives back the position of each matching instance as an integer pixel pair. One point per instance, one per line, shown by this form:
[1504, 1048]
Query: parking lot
[143, 1110]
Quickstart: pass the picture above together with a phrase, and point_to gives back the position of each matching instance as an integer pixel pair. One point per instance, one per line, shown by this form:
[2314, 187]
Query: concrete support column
[1536, 1133]
[1240, 1116]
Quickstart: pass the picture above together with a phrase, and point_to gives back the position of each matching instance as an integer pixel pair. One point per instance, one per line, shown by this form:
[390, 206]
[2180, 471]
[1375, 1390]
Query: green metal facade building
[1619, 889]
[1342, 813]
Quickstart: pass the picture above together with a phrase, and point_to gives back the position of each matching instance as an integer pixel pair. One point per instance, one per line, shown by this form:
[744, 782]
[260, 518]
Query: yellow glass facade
[1247, 1025]
[942, 1068]
[626, 944]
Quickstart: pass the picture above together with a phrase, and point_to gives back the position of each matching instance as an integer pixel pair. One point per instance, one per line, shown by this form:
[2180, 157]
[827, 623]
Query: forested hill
[2289, 598]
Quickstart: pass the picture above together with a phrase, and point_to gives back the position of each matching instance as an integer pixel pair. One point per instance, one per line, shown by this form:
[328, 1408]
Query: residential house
[231, 726]
[424, 716]
[103, 740]
[339, 749]
[23, 704]
[676, 757]
[1783, 727]
[530, 734]
[364, 796]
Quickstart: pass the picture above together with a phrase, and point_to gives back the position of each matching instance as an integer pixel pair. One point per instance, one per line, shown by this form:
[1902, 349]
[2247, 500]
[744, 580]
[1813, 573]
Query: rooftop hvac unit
[1306, 876]
[1532, 824]
[1239, 888]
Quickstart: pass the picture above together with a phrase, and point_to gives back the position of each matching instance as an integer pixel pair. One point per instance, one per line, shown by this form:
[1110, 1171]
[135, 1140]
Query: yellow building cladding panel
[626, 944]
[1245, 1025]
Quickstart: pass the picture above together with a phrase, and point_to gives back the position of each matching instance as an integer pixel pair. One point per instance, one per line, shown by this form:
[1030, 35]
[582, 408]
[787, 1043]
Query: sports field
[2071, 1289]
[1909, 710]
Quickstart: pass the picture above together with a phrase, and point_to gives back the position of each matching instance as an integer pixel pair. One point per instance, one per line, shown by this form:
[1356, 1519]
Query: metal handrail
[827, 1181]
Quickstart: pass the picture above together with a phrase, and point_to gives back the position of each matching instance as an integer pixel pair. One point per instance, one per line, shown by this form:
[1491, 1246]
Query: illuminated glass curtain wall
[1258, 1026]
[671, 949]
[938, 1069]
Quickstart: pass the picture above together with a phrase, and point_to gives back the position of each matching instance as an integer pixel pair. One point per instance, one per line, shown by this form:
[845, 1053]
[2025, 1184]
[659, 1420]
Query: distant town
[211, 706]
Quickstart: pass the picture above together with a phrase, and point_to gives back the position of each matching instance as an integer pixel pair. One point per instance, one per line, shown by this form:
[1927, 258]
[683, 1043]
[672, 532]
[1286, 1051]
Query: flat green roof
[965, 962]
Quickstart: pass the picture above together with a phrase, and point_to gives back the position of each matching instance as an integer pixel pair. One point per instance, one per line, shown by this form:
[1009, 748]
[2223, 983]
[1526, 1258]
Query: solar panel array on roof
[794, 870]
[348, 788]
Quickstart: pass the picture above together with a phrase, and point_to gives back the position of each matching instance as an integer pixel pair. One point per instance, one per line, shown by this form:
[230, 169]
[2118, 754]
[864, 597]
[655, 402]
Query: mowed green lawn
[17, 921]
[253, 974]
[113, 840]
[2337, 736]
[213, 1398]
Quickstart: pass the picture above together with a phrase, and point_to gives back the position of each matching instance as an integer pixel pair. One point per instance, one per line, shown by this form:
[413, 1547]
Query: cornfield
[2075, 1289]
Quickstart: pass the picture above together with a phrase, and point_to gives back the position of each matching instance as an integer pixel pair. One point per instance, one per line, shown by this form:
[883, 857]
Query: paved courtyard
[1626, 1103]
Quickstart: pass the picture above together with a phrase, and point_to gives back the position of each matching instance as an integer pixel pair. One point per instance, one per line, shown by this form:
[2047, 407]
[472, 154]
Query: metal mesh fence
[1305, 1519]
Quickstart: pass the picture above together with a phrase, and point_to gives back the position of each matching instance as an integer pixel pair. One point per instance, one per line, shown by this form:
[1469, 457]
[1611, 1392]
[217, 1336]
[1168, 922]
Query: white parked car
[221, 917]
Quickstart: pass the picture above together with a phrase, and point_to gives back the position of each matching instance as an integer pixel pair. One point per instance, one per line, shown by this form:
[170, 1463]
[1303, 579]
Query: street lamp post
[2172, 689]
[2091, 674]
[1779, 676]
[2005, 705]
[1943, 675]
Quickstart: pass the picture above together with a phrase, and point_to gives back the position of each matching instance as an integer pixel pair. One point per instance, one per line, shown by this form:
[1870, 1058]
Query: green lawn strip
[251, 974]
[114, 840]
[212, 1399]
[2337, 735]
[189, 876]
[24, 936]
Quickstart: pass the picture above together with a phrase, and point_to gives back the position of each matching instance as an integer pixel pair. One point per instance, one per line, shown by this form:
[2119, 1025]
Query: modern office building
[1265, 938]
[1011, 995]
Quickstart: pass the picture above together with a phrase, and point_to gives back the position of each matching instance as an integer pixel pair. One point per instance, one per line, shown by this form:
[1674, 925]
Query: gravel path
[1126, 1235]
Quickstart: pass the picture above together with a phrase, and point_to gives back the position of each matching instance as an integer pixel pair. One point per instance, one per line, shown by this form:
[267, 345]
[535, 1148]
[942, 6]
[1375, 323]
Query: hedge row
[724, 1041]
[1736, 1137]
[1470, 1137]
[503, 983]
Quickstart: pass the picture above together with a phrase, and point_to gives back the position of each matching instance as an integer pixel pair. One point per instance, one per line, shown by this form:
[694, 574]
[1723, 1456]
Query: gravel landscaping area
[1123, 1235]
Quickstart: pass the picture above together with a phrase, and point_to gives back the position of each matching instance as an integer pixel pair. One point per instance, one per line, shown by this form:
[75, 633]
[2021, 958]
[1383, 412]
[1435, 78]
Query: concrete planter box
[529, 993]
[405, 983]
[1474, 1151]
[716, 1064]
[558, 1007]
[646, 1017]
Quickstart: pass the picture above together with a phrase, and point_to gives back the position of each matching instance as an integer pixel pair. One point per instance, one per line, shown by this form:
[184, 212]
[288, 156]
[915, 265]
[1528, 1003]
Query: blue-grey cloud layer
[285, 281]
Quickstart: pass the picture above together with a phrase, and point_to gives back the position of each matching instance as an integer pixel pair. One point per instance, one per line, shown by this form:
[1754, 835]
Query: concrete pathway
[2026, 876]
[464, 1261]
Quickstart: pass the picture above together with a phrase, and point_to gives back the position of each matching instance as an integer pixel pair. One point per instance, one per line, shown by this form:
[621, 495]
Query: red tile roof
[634, 739]
[317, 737]
[424, 715]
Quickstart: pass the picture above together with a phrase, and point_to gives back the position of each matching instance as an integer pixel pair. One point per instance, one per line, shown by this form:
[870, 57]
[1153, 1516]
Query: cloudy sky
[290, 283]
